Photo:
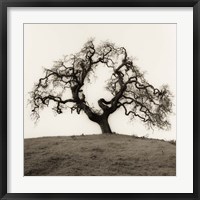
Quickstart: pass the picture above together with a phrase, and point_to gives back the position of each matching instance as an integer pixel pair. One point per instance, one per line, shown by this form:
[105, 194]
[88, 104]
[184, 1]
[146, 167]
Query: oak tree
[129, 89]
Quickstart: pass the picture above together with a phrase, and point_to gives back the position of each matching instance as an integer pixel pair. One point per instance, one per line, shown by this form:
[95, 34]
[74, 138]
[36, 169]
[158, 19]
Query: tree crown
[63, 85]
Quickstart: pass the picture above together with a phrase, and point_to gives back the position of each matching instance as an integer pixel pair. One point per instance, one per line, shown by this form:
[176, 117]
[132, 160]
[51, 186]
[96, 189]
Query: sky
[153, 47]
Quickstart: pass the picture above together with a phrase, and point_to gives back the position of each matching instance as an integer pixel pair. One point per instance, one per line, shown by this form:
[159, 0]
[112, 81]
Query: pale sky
[152, 45]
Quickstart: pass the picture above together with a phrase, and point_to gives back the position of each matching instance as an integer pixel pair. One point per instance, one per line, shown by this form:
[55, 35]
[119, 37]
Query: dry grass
[99, 155]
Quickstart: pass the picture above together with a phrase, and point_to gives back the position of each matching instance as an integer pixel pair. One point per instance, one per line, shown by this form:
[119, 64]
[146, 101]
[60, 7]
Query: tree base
[105, 127]
[110, 133]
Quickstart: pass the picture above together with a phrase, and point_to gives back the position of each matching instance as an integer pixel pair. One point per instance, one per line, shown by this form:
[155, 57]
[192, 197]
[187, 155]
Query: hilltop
[99, 155]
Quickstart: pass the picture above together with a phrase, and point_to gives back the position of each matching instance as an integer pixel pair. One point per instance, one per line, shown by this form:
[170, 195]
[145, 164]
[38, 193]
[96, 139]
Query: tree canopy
[129, 89]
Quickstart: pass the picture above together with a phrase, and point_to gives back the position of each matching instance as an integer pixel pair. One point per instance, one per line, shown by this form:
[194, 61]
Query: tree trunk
[105, 127]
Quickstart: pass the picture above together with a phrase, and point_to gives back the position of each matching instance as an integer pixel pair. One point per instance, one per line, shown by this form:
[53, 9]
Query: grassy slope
[99, 155]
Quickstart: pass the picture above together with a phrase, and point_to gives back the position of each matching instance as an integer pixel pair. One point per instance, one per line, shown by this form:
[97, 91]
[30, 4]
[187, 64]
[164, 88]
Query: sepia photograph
[100, 99]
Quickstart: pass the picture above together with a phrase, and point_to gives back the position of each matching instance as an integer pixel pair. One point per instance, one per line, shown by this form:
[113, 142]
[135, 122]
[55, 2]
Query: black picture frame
[4, 4]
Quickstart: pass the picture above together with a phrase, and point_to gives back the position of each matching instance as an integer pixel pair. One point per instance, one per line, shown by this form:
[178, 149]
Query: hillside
[98, 155]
